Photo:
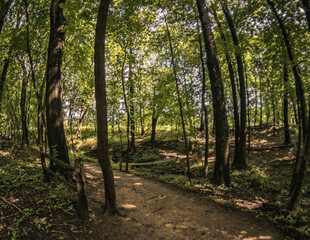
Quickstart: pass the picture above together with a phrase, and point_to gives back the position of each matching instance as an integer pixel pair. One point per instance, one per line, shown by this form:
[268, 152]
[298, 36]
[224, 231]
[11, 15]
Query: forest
[148, 119]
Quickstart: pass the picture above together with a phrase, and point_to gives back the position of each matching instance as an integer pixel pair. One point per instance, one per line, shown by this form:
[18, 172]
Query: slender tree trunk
[306, 5]
[179, 100]
[131, 105]
[296, 70]
[302, 171]
[221, 173]
[23, 110]
[154, 123]
[261, 103]
[233, 88]
[285, 108]
[55, 128]
[101, 107]
[240, 162]
[295, 111]
[4, 8]
[81, 119]
[3, 78]
[40, 114]
[205, 110]
[256, 103]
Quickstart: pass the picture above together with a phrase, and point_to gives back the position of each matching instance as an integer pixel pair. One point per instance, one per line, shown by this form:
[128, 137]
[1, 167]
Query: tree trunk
[4, 8]
[261, 104]
[40, 113]
[302, 171]
[126, 107]
[55, 128]
[23, 110]
[233, 88]
[131, 105]
[179, 100]
[221, 173]
[81, 119]
[154, 123]
[285, 108]
[240, 162]
[306, 5]
[296, 70]
[205, 125]
[3, 77]
[101, 107]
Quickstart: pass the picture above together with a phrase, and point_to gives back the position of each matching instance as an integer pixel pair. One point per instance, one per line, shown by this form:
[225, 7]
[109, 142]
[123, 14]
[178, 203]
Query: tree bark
[221, 173]
[3, 77]
[302, 171]
[81, 119]
[296, 70]
[306, 5]
[233, 88]
[4, 8]
[131, 105]
[179, 100]
[40, 113]
[55, 128]
[205, 124]
[285, 108]
[23, 110]
[240, 162]
[101, 107]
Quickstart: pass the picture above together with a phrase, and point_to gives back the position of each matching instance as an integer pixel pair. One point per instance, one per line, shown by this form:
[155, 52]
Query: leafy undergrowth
[263, 188]
[30, 208]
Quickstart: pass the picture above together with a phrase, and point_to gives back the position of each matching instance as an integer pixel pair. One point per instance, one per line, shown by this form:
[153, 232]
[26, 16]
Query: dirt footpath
[154, 210]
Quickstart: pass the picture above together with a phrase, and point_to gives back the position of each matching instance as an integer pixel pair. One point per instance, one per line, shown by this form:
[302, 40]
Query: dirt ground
[154, 210]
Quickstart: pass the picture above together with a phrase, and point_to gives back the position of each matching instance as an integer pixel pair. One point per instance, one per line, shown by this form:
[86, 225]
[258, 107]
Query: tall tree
[4, 8]
[55, 127]
[179, 99]
[101, 107]
[296, 71]
[285, 107]
[240, 161]
[233, 87]
[221, 173]
[306, 4]
[23, 110]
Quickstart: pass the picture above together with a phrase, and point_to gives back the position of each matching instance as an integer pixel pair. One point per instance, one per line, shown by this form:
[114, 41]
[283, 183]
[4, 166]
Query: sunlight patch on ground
[117, 177]
[138, 184]
[128, 206]
[258, 238]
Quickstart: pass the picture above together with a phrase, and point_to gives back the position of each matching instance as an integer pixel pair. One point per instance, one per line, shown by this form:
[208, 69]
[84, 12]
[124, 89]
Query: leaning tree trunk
[205, 124]
[285, 108]
[302, 171]
[233, 88]
[101, 107]
[240, 162]
[55, 127]
[306, 5]
[296, 71]
[221, 173]
[179, 100]
[4, 8]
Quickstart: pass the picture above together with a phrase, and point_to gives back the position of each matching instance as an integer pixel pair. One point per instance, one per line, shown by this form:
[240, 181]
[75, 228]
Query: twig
[12, 204]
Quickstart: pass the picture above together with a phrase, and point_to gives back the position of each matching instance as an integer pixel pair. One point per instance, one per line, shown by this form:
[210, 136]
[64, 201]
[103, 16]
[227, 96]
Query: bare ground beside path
[154, 210]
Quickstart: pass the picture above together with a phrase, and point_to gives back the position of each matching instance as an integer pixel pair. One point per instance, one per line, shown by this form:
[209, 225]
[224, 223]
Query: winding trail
[154, 210]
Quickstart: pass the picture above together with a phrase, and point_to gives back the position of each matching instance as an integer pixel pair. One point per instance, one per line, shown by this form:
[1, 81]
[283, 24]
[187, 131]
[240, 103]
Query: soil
[154, 210]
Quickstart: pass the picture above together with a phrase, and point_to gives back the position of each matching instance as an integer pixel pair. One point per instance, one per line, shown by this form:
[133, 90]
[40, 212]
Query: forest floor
[154, 210]
[156, 198]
